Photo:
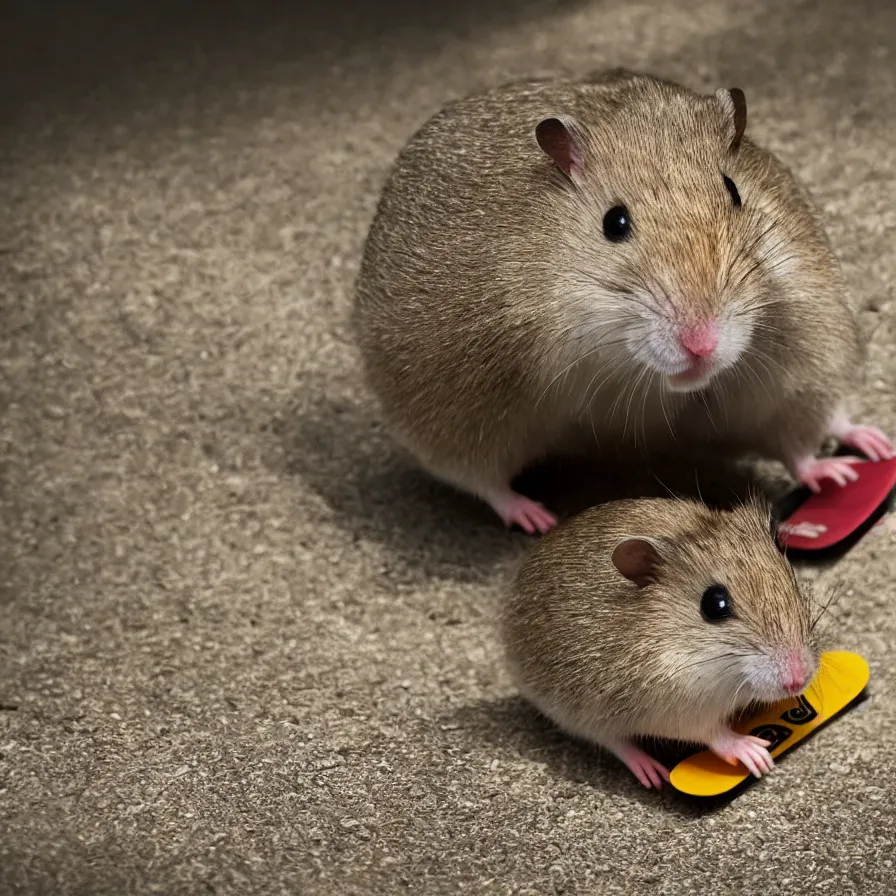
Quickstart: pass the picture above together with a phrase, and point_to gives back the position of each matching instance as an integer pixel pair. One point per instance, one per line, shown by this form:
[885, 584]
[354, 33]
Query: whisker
[663, 484]
[834, 598]
[566, 370]
[712, 659]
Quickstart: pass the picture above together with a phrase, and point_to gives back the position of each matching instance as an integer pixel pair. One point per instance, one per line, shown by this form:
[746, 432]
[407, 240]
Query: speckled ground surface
[244, 646]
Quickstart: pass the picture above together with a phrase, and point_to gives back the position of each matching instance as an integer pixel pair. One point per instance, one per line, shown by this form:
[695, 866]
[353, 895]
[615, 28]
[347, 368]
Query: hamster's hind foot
[751, 751]
[644, 767]
[812, 471]
[516, 509]
[867, 439]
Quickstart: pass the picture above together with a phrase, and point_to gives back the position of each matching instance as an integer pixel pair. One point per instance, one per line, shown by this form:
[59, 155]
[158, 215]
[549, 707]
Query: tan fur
[607, 660]
[481, 265]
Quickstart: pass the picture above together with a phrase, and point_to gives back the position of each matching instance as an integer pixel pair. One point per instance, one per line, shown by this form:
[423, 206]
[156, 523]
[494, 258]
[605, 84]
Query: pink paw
[750, 751]
[813, 471]
[645, 768]
[867, 439]
[516, 509]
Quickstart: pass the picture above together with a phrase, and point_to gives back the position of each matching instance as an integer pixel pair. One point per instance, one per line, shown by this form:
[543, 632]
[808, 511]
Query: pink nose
[700, 341]
[794, 673]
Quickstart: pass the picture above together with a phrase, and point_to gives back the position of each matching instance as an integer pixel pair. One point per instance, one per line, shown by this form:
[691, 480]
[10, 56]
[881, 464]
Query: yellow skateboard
[841, 677]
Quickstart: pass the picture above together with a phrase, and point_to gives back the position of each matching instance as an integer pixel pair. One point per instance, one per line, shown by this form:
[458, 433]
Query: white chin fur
[690, 385]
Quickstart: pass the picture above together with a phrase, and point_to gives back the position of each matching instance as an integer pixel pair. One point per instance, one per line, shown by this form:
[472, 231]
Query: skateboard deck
[837, 511]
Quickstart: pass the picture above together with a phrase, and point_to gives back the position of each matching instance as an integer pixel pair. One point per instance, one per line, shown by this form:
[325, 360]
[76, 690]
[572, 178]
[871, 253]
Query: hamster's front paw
[745, 748]
[867, 439]
[874, 444]
[812, 471]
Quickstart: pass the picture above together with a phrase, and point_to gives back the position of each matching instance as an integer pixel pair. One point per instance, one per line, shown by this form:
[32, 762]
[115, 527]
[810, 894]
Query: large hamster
[659, 618]
[556, 264]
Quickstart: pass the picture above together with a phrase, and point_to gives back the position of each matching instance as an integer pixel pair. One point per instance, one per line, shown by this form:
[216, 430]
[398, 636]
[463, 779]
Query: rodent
[660, 618]
[563, 266]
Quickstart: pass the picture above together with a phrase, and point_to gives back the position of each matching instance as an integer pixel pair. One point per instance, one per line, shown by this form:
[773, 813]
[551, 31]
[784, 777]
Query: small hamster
[660, 618]
[554, 264]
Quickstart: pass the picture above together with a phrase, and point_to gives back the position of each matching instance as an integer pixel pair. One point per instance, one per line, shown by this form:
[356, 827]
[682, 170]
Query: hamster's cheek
[760, 676]
[652, 343]
[779, 262]
[584, 320]
[735, 337]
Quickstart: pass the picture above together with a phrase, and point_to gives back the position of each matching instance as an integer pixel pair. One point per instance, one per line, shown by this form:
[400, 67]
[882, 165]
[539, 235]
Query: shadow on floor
[340, 451]
[511, 726]
[49, 53]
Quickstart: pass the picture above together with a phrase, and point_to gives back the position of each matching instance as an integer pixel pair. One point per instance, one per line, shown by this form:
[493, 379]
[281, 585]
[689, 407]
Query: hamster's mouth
[692, 378]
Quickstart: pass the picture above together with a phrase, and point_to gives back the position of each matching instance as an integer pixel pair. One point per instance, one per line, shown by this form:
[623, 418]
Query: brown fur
[608, 660]
[479, 275]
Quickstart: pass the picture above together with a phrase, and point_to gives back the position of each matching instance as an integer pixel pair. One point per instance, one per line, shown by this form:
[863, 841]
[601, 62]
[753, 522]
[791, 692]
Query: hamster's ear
[734, 106]
[559, 138]
[639, 559]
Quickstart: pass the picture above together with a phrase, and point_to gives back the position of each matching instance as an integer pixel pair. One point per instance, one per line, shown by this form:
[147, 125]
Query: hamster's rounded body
[500, 321]
[606, 630]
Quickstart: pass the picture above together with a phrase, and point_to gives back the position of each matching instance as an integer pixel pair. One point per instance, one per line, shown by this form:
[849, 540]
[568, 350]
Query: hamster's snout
[699, 344]
[774, 674]
[694, 354]
[687, 343]
[796, 670]
[700, 341]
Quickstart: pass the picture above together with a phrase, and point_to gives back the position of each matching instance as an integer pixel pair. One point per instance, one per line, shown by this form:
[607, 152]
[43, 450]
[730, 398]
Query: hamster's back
[570, 568]
[571, 624]
[455, 191]
[458, 252]
[462, 228]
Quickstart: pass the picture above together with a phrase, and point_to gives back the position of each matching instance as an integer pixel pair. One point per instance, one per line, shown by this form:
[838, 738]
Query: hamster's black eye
[732, 189]
[617, 224]
[715, 604]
